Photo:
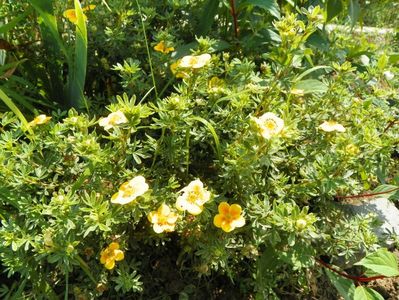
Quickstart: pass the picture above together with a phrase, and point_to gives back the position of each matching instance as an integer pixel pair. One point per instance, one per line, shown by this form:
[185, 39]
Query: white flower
[130, 190]
[193, 198]
[194, 62]
[389, 75]
[329, 126]
[113, 119]
[365, 60]
[269, 125]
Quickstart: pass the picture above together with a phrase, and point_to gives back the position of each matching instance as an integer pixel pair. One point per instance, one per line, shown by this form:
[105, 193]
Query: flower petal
[235, 210]
[153, 217]
[224, 208]
[218, 220]
[164, 210]
[113, 246]
[158, 228]
[227, 226]
[194, 209]
[240, 222]
[181, 203]
[110, 264]
[119, 255]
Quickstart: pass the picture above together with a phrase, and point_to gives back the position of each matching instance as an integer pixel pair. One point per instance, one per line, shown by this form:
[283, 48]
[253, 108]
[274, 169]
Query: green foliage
[172, 109]
[381, 262]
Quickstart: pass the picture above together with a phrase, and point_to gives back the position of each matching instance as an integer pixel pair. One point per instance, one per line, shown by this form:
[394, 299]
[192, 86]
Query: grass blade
[7, 101]
[78, 69]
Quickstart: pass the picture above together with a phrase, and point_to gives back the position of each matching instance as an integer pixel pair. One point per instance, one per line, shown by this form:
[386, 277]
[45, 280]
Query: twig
[367, 195]
[354, 278]
[234, 15]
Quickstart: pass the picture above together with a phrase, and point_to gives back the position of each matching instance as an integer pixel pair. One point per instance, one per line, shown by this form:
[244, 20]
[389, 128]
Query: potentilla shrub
[230, 181]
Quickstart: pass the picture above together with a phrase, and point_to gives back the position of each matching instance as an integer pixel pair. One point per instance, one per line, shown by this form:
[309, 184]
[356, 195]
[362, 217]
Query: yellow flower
[176, 70]
[193, 198]
[70, 14]
[329, 126]
[130, 190]
[229, 217]
[161, 47]
[113, 119]
[40, 119]
[111, 254]
[269, 125]
[195, 61]
[163, 219]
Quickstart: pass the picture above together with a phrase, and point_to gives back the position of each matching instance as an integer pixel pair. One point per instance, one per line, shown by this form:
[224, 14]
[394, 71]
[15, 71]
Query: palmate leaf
[381, 262]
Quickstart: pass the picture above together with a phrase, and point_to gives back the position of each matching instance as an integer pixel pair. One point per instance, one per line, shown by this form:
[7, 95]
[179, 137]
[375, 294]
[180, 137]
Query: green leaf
[334, 8]
[310, 86]
[392, 191]
[15, 110]
[345, 287]
[78, 75]
[307, 72]
[394, 58]
[270, 5]
[354, 11]
[365, 293]
[382, 262]
[207, 17]
[214, 134]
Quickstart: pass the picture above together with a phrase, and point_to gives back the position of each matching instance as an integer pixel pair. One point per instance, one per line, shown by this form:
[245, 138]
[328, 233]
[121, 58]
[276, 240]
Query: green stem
[66, 284]
[188, 150]
[158, 146]
[85, 268]
[148, 49]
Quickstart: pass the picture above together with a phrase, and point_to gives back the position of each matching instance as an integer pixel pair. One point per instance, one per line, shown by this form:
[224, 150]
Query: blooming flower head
[111, 254]
[389, 75]
[229, 217]
[40, 119]
[161, 47]
[194, 197]
[269, 125]
[329, 126]
[163, 219]
[176, 70]
[112, 120]
[195, 61]
[70, 14]
[130, 190]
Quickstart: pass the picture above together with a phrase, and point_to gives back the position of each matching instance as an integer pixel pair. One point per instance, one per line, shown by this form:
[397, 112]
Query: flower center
[270, 124]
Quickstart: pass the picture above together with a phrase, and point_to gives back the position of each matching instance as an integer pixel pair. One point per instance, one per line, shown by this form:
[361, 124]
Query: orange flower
[161, 47]
[229, 217]
[70, 14]
[111, 254]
